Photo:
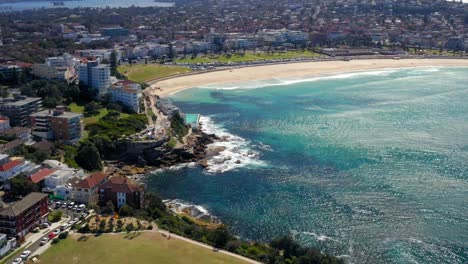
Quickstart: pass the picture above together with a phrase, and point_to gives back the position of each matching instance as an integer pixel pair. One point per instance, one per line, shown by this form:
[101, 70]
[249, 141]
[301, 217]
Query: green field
[131, 248]
[92, 119]
[249, 56]
[148, 72]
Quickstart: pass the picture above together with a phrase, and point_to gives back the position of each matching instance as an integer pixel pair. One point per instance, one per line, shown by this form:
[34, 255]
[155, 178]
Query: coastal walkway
[164, 232]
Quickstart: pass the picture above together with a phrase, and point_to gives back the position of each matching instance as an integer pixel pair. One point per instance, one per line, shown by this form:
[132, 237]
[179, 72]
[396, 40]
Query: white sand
[291, 70]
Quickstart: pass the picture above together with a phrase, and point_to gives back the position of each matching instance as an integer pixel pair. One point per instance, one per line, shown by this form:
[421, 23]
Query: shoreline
[167, 87]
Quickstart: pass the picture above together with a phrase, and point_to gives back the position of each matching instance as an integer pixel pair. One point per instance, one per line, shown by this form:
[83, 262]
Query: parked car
[45, 225]
[63, 227]
[44, 241]
[51, 235]
[18, 261]
[56, 231]
[25, 254]
[57, 205]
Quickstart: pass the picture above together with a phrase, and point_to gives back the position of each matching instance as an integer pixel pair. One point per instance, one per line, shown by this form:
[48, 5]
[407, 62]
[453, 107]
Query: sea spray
[231, 151]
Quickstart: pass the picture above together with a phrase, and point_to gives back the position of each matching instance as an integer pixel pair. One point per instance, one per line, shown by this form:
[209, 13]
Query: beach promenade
[298, 70]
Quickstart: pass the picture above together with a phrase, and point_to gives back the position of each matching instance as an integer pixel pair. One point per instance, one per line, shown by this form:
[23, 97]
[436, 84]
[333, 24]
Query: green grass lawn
[249, 56]
[140, 248]
[147, 72]
[92, 119]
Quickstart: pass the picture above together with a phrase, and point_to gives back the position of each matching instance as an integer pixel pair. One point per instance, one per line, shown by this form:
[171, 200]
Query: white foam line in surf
[255, 84]
[235, 151]
[320, 238]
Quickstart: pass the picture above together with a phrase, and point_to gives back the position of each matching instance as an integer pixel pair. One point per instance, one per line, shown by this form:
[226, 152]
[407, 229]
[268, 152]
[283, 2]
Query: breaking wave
[230, 151]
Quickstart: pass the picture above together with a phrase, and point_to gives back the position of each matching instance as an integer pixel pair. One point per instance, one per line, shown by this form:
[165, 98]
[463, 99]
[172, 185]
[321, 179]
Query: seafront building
[128, 93]
[121, 191]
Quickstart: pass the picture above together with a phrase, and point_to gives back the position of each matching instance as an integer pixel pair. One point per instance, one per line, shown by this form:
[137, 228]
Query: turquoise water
[370, 166]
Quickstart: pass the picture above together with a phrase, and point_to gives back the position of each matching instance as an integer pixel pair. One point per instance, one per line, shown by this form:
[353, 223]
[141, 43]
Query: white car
[56, 231]
[17, 261]
[44, 241]
[25, 254]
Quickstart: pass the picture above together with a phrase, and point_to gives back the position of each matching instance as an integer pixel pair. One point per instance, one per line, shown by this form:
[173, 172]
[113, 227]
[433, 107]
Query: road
[36, 238]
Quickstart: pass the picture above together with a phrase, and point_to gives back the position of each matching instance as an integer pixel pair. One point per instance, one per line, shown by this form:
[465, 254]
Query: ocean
[370, 166]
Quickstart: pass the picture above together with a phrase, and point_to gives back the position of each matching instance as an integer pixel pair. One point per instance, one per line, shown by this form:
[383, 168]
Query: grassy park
[248, 56]
[147, 72]
[146, 247]
[92, 119]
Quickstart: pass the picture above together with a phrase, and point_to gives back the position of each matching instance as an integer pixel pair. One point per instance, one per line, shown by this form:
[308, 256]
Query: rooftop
[40, 175]
[18, 207]
[92, 180]
[121, 184]
[10, 165]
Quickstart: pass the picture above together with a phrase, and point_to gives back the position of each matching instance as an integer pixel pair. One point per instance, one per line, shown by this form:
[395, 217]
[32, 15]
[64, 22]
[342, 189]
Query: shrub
[150, 227]
[55, 216]
[63, 235]
[55, 241]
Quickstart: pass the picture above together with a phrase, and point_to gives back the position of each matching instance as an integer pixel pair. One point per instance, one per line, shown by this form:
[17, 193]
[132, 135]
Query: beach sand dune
[291, 70]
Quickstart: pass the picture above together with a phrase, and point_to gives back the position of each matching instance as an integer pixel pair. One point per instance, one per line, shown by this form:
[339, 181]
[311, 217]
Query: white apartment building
[95, 75]
[128, 93]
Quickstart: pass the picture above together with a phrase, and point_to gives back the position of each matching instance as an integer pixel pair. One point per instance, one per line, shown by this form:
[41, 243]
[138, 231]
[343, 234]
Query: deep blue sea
[369, 166]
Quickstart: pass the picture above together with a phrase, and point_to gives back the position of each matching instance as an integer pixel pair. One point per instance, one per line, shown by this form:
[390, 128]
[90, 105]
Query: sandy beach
[291, 70]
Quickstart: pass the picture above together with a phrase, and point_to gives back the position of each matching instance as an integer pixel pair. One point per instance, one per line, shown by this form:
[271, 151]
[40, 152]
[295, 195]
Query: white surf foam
[235, 153]
[281, 82]
[319, 237]
[197, 211]
[176, 167]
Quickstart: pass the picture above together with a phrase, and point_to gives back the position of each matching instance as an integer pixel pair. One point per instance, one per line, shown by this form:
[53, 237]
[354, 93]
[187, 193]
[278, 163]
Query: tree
[55, 216]
[126, 210]
[119, 225]
[110, 227]
[102, 225]
[220, 236]
[92, 108]
[88, 156]
[171, 51]
[21, 185]
[4, 91]
[129, 227]
[109, 208]
[113, 63]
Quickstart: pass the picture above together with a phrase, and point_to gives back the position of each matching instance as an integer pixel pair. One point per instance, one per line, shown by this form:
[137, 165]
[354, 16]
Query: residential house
[86, 190]
[4, 123]
[6, 244]
[121, 191]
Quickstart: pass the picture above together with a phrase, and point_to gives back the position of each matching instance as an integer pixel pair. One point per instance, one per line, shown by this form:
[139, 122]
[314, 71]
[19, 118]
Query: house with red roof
[86, 190]
[11, 169]
[40, 175]
[120, 190]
